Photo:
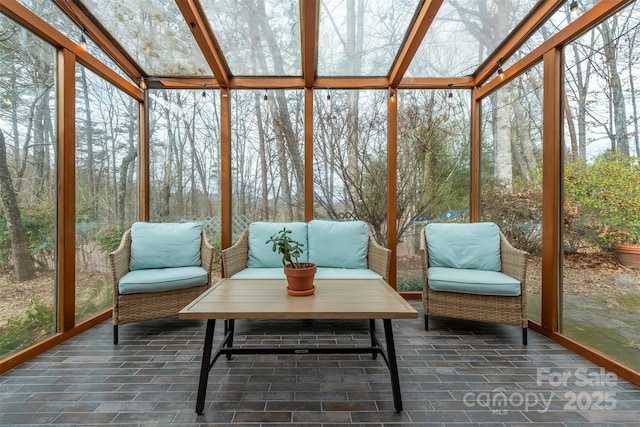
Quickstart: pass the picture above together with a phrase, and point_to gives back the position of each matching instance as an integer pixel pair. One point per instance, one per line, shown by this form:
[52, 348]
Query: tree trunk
[619, 108]
[23, 264]
[503, 159]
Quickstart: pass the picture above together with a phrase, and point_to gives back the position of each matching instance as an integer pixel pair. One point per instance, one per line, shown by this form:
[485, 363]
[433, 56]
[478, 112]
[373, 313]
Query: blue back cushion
[261, 254]
[342, 244]
[473, 246]
[162, 245]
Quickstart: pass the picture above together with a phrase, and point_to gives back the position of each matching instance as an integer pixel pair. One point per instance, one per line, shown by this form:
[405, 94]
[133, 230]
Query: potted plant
[299, 274]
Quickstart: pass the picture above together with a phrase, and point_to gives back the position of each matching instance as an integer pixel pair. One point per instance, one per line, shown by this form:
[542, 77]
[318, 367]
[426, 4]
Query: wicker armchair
[510, 310]
[135, 307]
[234, 258]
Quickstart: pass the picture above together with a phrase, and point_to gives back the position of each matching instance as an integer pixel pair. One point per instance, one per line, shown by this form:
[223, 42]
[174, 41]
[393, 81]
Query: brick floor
[457, 374]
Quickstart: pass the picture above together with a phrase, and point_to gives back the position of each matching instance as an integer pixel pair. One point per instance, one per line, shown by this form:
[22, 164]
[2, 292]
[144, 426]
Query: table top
[268, 299]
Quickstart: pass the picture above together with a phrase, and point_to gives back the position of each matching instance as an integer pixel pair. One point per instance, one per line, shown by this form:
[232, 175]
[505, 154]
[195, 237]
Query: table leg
[231, 324]
[205, 367]
[393, 365]
[372, 331]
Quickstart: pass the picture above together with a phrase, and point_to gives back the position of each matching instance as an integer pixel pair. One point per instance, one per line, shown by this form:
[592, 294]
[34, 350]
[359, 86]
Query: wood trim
[475, 157]
[309, 27]
[411, 44]
[589, 353]
[66, 135]
[411, 295]
[49, 343]
[392, 182]
[308, 154]
[33, 23]
[585, 22]
[144, 189]
[205, 39]
[436, 83]
[352, 83]
[102, 39]
[552, 149]
[529, 25]
[266, 82]
[225, 168]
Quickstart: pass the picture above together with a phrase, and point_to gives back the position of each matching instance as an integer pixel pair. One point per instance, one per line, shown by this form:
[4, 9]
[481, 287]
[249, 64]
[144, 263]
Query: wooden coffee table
[231, 299]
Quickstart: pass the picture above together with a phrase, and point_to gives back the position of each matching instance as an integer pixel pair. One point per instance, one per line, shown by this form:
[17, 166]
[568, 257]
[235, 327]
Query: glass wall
[350, 157]
[511, 170]
[267, 156]
[106, 184]
[433, 170]
[28, 186]
[601, 285]
[184, 159]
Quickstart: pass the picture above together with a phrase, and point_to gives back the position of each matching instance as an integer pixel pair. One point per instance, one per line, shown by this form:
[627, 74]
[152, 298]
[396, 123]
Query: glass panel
[601, 292]
[267, 143]
[350, 152]
[28, 195]
[260, 37]
[511, 171]
[154, 33]
[184, 154]
[106, 184]
[50, 13]
[433, 171]
[463, 34]
[361, 38]
[553, 25]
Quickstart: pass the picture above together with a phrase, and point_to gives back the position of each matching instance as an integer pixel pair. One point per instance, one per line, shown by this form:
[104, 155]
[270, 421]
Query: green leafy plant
[289, 249]
[608, 190]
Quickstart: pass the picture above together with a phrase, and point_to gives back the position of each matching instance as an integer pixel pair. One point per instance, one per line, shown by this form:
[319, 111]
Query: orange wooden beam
[583, 23]
[411, 44]
[76, 13]
[33, 23]
[66, 136]
[529, 25]
[206, 41]
[392, 182]
[309, 25]
[552, 149]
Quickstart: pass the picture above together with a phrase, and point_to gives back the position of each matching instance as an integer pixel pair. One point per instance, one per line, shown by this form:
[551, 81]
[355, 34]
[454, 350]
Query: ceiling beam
[529, 25]
[45, 31]
[411, 44]
[309, 28]
[194, 16]
[101, 37]
[583, 23]
[436, 83]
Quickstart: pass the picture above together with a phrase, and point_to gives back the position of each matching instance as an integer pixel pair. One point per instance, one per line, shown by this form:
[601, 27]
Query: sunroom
[397, 113]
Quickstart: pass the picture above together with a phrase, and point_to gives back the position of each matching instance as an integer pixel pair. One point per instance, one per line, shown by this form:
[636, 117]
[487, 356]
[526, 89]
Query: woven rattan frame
[234, 258]
[151, 305]
[483, 308]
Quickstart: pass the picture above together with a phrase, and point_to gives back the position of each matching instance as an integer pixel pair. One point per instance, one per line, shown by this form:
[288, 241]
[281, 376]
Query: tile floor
[457, 374]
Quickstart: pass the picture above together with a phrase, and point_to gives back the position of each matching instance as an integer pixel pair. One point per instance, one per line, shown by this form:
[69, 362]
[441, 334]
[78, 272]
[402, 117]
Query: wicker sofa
[471, 272]
[157, 270]
[341, 249]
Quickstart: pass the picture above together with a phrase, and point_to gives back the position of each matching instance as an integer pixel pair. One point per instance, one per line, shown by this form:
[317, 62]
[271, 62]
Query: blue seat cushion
[162, 279]
[321, 273]
[261, 254]
[162, 245]
[473, 246]
[341, 244]
[466, 281]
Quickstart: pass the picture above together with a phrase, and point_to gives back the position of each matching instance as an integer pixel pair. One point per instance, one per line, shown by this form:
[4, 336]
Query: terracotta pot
[300, 279]
[628, 255]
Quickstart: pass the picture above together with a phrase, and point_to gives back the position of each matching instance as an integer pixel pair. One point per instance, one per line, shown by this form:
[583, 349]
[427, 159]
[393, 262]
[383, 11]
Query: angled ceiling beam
[98, 35]
[411, 44]
[194, 16]
[309, 27]
[529, 25]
